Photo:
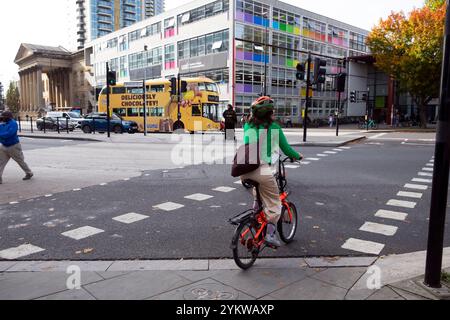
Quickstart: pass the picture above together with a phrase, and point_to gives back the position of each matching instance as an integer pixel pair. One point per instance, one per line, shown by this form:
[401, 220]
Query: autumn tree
[410, 48]
[13, 98]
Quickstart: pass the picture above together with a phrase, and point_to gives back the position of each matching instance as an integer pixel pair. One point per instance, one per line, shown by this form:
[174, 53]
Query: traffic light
[184, 86]
[353, 97]
[340, 82]
[111, 78]
[173, 86]
[320, 71]
[300, 72]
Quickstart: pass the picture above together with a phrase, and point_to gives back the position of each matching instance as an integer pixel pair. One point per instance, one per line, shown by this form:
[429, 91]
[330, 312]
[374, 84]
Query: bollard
[20, 124]
[45, 125]
[67, 125]
[57, 125]
[93, 125]
[31, 120]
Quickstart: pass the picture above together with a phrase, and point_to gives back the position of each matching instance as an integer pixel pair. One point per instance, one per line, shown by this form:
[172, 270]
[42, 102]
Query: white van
[74, 117]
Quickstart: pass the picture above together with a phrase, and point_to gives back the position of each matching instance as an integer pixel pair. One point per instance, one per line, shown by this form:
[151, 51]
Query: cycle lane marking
[378, 228]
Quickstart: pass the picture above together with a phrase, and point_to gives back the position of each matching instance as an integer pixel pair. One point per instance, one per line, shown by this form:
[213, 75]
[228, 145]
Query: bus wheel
[178, 125]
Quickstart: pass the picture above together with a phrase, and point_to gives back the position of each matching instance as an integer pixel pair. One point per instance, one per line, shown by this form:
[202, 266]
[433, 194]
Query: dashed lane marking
[291, 167]
[130, 218]
[424, 174]
[377, 228]
[430, 165]
[416, 186]
[305, 162]
[312, 159]
[345, 148]
[428, 169]
[363, 246]
[414, 195]
[322, 155]
[199, 197]
[82, 233]
[422, 180]
[224, 189]
[169, 206]
[393, 215]
[330, 152]
[19, 252]
[402, 204]
[339, 150]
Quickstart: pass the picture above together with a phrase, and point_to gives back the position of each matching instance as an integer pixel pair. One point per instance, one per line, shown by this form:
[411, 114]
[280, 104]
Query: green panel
[380, 102]
[283, 26]
[290, 29]
[289, 63]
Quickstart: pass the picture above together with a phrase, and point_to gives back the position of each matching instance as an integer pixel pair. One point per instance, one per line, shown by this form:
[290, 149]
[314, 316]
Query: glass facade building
[246, 46]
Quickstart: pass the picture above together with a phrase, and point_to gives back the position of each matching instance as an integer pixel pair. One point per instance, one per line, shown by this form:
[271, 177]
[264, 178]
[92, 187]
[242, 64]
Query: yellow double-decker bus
[199, 105]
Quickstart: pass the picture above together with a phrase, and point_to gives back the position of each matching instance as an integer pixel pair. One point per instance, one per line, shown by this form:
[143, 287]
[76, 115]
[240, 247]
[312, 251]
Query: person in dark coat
[231, 120]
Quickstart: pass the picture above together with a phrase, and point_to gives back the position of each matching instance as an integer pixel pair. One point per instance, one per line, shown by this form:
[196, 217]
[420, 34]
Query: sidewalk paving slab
[310, 289]
[204, 290]
[5, 265]
[287, 263]
[161, 265]
[342, 277]
[408, 295]
[412, 287]
[41, 266]
[69, 295]
[338, 262]
[136, 286]
[359, 294]
[32, 285]
[385, 293]
[261, 282]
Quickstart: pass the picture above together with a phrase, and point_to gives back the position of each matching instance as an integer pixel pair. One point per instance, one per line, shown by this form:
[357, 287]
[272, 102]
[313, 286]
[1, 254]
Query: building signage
[214, 61]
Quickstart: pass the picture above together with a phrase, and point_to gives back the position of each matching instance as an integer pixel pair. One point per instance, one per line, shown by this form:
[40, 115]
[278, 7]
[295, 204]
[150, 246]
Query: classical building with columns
[53, 79]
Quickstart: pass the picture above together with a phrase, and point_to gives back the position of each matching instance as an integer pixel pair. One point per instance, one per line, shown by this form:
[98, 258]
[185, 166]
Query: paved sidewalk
[271, 279]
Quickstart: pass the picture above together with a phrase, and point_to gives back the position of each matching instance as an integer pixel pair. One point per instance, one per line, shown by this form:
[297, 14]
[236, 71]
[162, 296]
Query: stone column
[33, 91]
[27, 92]
[40, 102]
[57, 91]
[61, 89]
[71, 90]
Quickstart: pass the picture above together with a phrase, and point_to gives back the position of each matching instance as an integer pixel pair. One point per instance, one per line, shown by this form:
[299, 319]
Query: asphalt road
[336, 196]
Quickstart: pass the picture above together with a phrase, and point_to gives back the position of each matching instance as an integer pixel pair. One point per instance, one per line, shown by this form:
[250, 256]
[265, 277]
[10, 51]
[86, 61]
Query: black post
[367, 110]
[67, 125]
[144, 90]
[93, 125]
[338, 113]
[45, 130]
[179, 97]
[20, 124]
[441, 171]
[57, 124]
[308, 99]
[108, 116]
[265, 61]
[31, 120]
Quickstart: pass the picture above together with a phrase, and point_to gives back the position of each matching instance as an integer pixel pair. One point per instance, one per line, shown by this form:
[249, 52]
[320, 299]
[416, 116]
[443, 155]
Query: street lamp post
[144, 91]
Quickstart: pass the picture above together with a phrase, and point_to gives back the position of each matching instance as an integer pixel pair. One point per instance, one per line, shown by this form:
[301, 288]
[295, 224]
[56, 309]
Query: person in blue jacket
[10, 147]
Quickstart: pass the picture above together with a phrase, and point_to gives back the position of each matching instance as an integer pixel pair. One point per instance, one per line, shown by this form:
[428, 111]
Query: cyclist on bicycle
[262, 127]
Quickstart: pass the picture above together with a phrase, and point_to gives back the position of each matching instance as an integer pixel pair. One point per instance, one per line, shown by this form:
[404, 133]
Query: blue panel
[276, 25]
[257, 57]
[258, 20]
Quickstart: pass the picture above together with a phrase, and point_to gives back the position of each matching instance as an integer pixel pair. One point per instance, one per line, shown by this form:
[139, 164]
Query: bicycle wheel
[245, 249]
[288, 224]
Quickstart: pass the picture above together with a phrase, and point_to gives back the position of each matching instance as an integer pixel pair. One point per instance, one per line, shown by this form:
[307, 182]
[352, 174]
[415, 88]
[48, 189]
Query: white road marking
[422, 180]
[430, 165]
[126, 179]
[289, 166]
[402, 204]
[339, 150]
[48, 195]
[312, 159]
[14, 202]
[238, 182]
[414, 195]
[416, 186]
[130, 218]
[377, 228]
[330, 152]
[103, 184]
[305, 163]
[363, 246]
[76, 190]
[431, 161]
[322, 155]
[377, 136]
[82, 233]
[199, 197]
[345, 148]
[428, 169]
[169, 206]
[424, 174]
[224, 189]
[19, 252]
[393, 215]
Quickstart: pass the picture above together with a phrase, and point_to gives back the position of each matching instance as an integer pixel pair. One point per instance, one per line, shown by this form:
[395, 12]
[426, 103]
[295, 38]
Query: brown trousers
[14, 152]
[268, 188]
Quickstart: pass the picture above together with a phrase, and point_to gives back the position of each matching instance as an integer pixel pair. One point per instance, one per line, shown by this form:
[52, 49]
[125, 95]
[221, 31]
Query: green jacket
[275, 140]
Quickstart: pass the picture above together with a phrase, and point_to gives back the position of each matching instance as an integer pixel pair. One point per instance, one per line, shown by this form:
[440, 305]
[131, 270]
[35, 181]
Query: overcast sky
[52, 22]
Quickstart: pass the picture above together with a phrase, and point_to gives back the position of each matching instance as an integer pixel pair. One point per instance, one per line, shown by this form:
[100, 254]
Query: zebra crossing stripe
[393, 215]
[312, 159]
[377, 228]
[130, 218]
[402, 204]
[330, 152]
[416, 186]
[414, 195]
[345, 148]
[339, 150]
[363, 246]
[322, 155]
[425, 174]
[19, 252]
[82, 233]
[422, 180]
[428, 169]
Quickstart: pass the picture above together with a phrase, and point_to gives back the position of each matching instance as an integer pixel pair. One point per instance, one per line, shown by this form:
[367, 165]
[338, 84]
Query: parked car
[51, 123]
[74, 117]
[98, 122]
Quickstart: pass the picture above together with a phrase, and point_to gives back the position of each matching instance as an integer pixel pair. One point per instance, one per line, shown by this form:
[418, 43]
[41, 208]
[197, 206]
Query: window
[123, 43]
[314, 29]
[169, 27]
[158, 88]
[196, 110]
[203, 12]
[121, 112]
[133, 112]
[119, 90]
[145, 59]
[203, 45]
[169, 56]
[337, 36]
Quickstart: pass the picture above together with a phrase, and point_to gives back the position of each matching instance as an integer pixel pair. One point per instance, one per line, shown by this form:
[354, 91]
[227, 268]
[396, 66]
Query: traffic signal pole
[108, 116]
[441, 172]
[144, 90]
[308, 99]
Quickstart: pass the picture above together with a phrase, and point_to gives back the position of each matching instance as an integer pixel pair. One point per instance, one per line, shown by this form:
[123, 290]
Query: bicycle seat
[251, 183]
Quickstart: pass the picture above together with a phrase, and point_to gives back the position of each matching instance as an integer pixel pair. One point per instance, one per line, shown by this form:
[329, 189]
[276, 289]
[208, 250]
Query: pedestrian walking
[10, 147]
[230, 123]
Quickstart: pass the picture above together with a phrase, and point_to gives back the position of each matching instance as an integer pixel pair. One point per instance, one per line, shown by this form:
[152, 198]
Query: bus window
[134, 90]
[212, 87]
[121, 112]
[196, 111]
[141, 112]
[157, 112]
[158, 88]
[211, 111]
[201, 87]
[133, 112]
[119, 90]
